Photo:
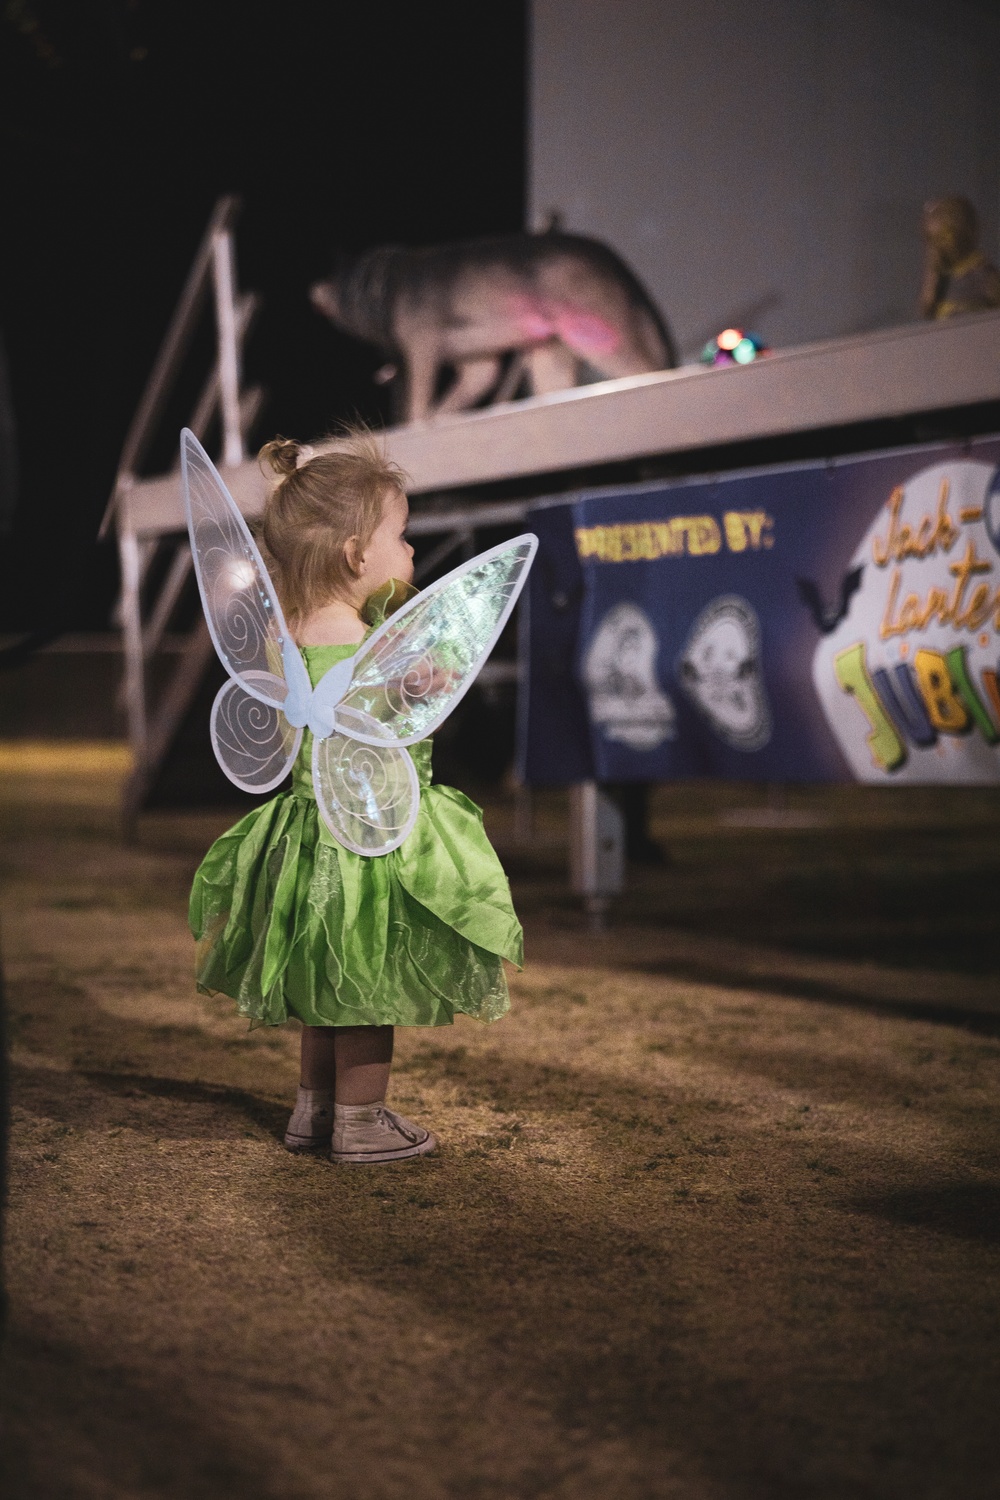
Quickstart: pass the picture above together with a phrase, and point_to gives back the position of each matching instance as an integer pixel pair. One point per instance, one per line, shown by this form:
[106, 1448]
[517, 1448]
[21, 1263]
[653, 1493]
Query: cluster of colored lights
[733, 347]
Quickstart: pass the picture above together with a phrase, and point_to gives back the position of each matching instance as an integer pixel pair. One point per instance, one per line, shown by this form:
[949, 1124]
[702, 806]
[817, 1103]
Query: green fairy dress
[290, 923]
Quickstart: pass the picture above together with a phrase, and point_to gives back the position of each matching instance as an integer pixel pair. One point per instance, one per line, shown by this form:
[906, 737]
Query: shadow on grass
[625, 1307]
[904, 898]
[269, 1117]
[966, 1210]
[655, 1314]
[97, 1428]
[984, 1022]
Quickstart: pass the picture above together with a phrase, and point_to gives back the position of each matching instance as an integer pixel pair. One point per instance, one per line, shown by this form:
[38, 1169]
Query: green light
[744, 352]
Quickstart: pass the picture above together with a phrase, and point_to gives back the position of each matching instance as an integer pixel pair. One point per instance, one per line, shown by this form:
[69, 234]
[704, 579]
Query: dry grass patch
[691, 1233]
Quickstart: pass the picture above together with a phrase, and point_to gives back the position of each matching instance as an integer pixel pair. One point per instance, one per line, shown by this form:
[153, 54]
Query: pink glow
[584, 332]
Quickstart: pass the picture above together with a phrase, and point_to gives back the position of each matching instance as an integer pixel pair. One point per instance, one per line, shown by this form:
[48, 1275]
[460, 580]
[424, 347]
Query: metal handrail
[208, 260]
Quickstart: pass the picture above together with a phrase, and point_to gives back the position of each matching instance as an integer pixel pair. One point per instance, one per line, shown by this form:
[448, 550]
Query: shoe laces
[391, 1121]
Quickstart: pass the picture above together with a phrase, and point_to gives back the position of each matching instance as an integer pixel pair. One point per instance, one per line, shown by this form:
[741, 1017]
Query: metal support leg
[170, 591]
[176, 701]
[135, 679]
[596, 850]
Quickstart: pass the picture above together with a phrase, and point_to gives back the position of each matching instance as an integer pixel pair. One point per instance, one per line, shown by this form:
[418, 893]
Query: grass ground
[715, 1217]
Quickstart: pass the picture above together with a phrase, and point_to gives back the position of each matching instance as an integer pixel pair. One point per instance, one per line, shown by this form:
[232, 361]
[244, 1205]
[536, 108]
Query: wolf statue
[540, 312]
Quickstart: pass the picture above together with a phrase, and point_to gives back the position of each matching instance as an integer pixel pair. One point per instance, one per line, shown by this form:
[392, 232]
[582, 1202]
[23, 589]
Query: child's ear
[354, 557]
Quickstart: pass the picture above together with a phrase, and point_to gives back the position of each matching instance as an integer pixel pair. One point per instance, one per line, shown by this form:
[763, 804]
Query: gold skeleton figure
[958, 278]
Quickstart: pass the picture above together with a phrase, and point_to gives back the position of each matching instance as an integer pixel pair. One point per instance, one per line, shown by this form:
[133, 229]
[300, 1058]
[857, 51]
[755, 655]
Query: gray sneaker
[373, 1133]
[311, 1125]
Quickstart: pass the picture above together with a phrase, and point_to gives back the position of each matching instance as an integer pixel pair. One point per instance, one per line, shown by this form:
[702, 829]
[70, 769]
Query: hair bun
[282, 455]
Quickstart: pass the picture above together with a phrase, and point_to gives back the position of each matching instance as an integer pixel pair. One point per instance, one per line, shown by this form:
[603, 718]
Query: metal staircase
[149, 594]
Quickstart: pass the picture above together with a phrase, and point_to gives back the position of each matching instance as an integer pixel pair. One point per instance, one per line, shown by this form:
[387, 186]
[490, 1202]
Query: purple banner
[828, 621]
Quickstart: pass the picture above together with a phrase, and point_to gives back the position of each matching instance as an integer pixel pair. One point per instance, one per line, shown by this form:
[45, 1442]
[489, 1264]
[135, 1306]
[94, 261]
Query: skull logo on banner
[720, 671]
[625, 698]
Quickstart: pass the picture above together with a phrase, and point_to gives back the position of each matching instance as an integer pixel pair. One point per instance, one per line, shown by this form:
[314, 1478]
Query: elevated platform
[921, 367]
[529, 448]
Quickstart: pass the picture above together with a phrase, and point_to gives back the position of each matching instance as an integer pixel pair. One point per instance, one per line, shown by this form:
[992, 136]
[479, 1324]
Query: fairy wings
[401, 684]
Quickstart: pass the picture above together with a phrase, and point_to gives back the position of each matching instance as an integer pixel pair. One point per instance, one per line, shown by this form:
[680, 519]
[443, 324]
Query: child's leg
[354, 1060]
[364, 1130]
[317, 1066]
[363, 1060]
[311, 1125]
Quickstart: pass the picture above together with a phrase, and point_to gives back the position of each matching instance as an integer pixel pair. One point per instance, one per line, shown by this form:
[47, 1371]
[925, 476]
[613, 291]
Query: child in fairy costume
[289, 922]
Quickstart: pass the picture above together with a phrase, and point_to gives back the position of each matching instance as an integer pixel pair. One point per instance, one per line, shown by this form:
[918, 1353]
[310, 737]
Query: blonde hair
[317, 507]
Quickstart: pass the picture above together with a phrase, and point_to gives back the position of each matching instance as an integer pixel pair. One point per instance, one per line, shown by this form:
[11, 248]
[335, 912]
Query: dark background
[341, 126]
